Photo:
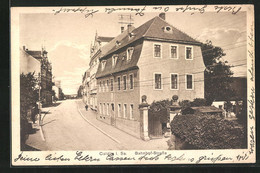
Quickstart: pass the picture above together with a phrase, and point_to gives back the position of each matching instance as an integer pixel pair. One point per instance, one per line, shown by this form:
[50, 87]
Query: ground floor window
[189, 81]
[131, 111]
[157, 81]
[119, 110]
[125, 110]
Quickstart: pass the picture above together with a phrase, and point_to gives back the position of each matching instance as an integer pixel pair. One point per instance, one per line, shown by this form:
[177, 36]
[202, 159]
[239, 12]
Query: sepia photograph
[133, 85]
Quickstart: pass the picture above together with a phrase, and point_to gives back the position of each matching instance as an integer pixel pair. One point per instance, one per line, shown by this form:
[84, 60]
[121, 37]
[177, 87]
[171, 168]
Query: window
[174, 81]
[104, 107]
[131, 81]
[157, 50]
[125, 110]
[189, 81]
[174, 53]
[111, 85]
[103, 64]
[100, 86]
[118, 83]
[114, 59]
[131, 111]
[124, 82]
[189, 53]
[158, 81]
[119, 110]
[129, 53]
[107, 85]
[107, 108]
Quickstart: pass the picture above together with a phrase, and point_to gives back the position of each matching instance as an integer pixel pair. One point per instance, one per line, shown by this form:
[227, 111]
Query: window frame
[118, 83]
[154, 50]
[124, 82]
[131, 115]
[171, 81]
[155, 82]
[191, 52]
[186, 82]
[131, 74]
[128, 58]
[177, 49]
[119, 110]
[125, 110]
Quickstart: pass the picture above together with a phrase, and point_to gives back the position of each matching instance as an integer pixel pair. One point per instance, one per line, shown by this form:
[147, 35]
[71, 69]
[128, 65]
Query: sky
[67, 37]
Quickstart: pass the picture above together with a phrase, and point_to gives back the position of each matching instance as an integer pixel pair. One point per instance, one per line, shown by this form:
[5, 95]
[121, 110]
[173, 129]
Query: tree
[28, 99]
[218, 75]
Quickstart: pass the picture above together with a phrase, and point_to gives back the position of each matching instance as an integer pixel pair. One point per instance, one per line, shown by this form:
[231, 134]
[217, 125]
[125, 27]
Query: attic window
[114, 59]
[129, 53]
[167, 29]
[118, 43]
[131, 35]
[103, 64]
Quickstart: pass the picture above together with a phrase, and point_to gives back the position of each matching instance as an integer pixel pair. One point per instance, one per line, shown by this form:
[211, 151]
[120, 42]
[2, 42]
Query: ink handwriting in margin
[88, 12]
[22, 157]
[252, 140]
[251, 102]
[233, 9]
[191, 9]
[139, 11]
[251, 52]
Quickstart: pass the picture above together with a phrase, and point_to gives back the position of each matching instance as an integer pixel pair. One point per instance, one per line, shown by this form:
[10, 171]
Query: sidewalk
[128, 142]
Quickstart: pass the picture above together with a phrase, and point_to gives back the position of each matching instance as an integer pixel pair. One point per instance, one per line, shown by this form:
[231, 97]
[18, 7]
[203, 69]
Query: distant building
[156, 60]
[96, 50]
[46, 74]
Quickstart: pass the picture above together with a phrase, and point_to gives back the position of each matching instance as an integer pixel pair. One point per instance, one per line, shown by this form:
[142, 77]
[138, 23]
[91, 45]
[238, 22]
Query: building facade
[156, 60]
[46, 74]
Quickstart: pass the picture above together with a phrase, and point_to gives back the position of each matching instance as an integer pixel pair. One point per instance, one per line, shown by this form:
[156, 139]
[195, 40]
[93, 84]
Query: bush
[199, 102]
[160, 109]
[209, 132]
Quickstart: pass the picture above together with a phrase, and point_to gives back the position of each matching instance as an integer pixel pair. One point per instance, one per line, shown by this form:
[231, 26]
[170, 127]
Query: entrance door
[113, 117]
[154, 126]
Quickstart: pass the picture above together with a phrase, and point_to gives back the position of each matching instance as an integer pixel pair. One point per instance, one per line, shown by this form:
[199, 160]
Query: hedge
[209, 132]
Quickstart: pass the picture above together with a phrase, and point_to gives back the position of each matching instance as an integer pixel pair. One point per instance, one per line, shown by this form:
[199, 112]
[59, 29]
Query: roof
[151, 29]
[207, 109]
[35, 54]
[104, 39]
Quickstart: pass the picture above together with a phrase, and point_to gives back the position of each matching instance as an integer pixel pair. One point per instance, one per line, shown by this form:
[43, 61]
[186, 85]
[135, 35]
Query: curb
[114, 139]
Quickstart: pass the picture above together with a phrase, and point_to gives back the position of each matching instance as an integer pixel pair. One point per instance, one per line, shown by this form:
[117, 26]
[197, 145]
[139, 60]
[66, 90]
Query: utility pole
[39, 106]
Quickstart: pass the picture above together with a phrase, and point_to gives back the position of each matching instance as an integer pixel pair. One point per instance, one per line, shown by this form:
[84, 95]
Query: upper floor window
[104, 86]
[114, 60]
[100, 86]
[129, 53]
[157, 50]
[189, 52]
[131, 81]
[118, 83]
[189, 81]
[107, 85]
[174, 51]
[103, 64]
[124, 82]
[157, 81]
[111, 84]
[174, 81]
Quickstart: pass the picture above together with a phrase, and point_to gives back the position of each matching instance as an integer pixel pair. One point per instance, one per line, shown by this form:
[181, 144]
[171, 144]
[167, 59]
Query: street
[68, 126]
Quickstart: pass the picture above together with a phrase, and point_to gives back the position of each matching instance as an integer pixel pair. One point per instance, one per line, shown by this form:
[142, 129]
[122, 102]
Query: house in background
[156, 60]
[85, 87]
[28, 63]
[46, 74]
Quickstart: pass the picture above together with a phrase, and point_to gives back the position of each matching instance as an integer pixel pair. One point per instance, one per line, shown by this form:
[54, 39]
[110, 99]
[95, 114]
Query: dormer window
[103, 64]
[167, 29]
[129, 53]
[114, 60]
[118, 43]
[131, 35]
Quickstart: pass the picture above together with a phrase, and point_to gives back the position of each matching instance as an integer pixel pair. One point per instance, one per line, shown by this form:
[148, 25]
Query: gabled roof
[152, 29]
[35, 54]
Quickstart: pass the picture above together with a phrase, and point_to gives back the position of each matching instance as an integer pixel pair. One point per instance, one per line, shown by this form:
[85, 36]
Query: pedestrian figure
[86, 107]
[35, 111]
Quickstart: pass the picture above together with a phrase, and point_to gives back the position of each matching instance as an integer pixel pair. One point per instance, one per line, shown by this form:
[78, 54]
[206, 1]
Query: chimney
[122, 29]
[162, 16]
